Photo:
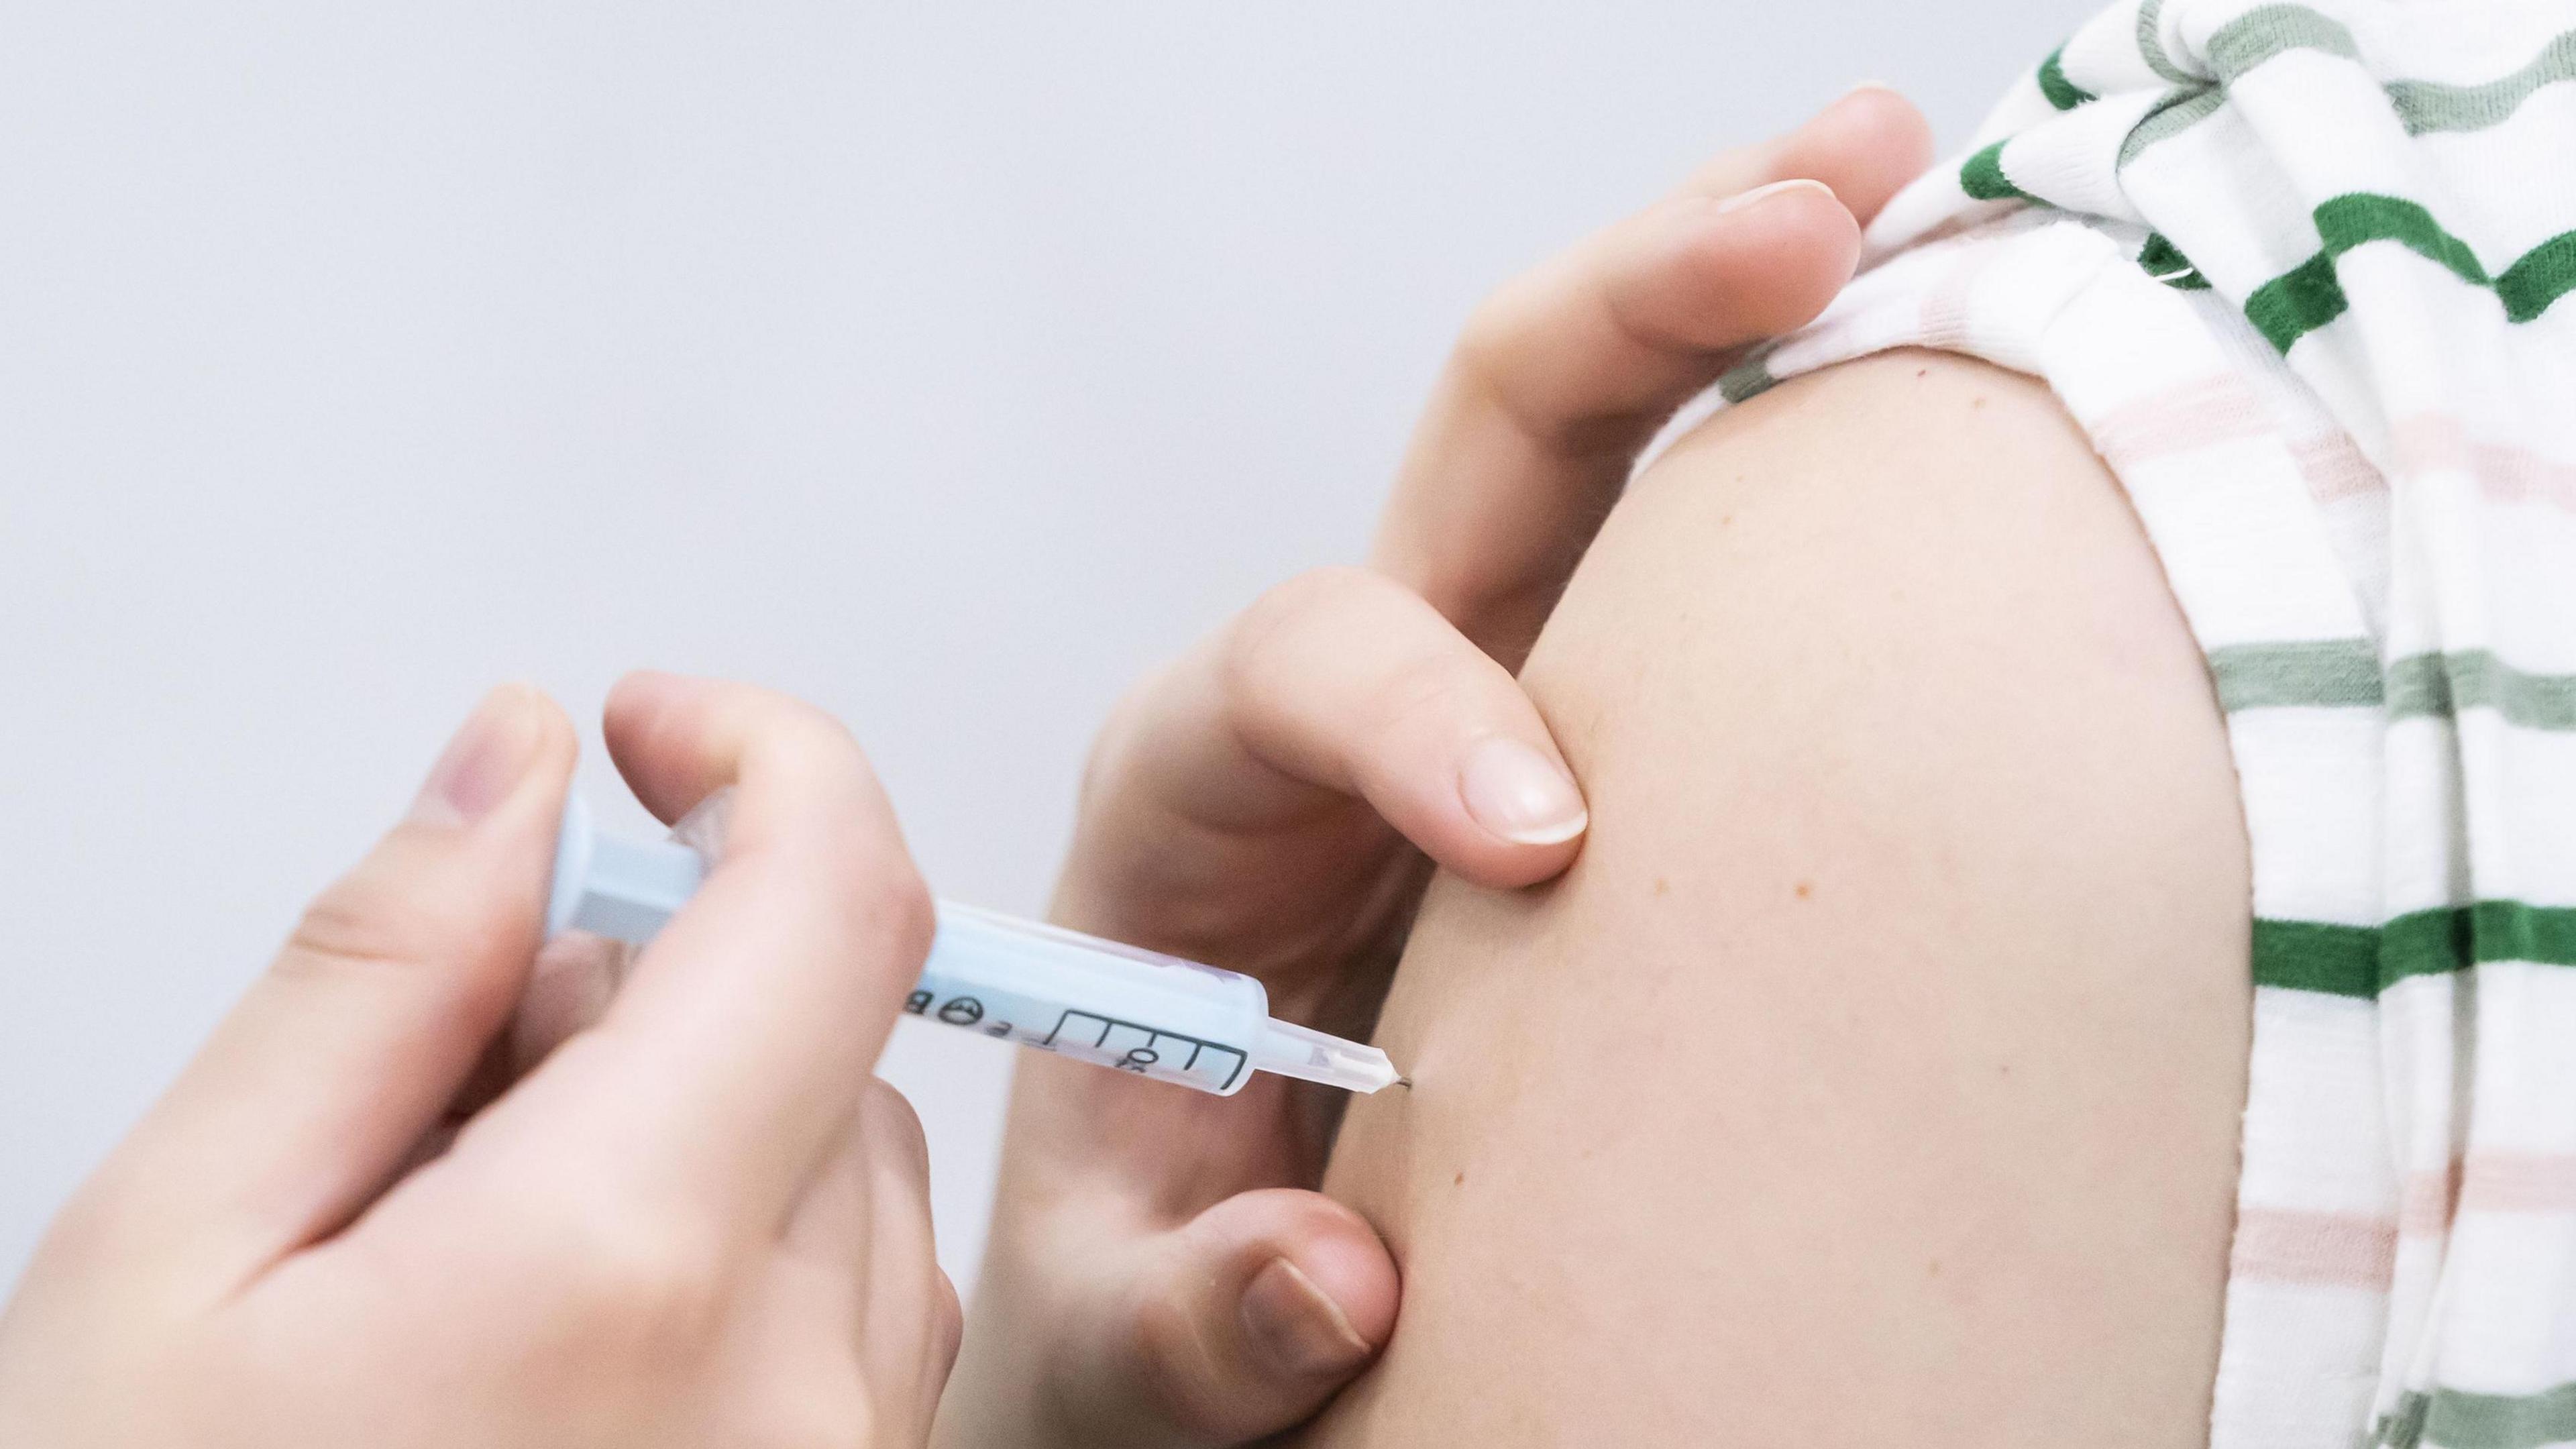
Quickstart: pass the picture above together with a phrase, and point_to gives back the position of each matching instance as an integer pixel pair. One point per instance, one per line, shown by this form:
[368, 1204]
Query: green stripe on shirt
[1747, 379]
[2455, 1419]
[2362, 961]
[2324, 672]
[2178, 112]
[2433, 943]
[2445, 684]
[2360, 217]
[2258, 35]
[2151, 45]
[2544, 274]
[2297, 302]
[2432, 106]
[1982, 176]
[2316, 956]
[2423, 107]
[2061, 92]
[2165, 262]
[2309, 295]
[2345, 673]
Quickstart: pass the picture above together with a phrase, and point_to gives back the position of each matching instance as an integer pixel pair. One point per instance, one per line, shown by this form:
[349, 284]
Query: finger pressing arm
[1565, 373]
[1339, 705]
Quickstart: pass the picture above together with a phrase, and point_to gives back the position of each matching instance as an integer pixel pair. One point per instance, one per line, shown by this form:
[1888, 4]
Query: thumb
[1243, 1322]
[313, 1091]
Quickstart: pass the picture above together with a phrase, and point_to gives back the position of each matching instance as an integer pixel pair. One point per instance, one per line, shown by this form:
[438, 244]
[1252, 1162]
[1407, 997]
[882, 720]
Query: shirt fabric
[2300, 271]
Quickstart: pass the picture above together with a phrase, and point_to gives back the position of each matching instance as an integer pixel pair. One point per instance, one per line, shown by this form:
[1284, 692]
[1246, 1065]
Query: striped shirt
[2301, 272]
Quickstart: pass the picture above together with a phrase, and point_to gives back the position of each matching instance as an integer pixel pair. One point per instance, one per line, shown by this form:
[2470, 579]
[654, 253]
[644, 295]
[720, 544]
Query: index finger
[1567, 372]
[736, 1051]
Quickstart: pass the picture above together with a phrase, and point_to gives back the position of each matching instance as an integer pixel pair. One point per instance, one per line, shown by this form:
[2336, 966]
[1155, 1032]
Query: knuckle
[1428, 695]
[838, 1417]
[948, 1326]
[90, 1237]
[1497, 331]
[895, 907]
[1113, 749]
[1296, 599]
[366, 921]
[1169, 1354]
[391, 916]
[890, 1112]
[780, 734]
[1278, 620]
[815, 728]
[823, 754]
[654, 1289]
[1528, 358]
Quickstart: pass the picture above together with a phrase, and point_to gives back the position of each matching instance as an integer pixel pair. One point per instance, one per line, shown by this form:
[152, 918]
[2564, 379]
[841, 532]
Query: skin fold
[1873, 1077]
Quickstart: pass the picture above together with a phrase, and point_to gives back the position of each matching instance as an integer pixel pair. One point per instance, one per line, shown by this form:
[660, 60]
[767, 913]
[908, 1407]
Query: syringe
[1039, 986]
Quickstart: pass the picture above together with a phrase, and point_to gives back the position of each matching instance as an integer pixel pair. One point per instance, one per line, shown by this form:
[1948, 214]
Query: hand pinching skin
[1160, 1269]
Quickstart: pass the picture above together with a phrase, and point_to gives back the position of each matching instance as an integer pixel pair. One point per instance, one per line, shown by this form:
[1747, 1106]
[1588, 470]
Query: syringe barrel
[1017, 981]
[1098, 1001]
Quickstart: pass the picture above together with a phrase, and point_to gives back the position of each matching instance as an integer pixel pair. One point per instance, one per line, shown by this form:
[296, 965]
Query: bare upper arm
[1874, 1076]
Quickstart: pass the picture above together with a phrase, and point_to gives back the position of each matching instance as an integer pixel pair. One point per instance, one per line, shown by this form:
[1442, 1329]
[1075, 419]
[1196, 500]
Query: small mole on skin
[1806, 888]
[1459, 1181]
[1662, 885]
[1922, 372]
[1936, 1268]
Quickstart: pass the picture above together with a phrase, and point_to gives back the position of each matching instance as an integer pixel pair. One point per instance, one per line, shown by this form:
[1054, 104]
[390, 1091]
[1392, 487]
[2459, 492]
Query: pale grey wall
[946, 364]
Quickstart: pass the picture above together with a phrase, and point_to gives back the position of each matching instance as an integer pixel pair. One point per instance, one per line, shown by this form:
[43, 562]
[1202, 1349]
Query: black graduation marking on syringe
[1153, 1035]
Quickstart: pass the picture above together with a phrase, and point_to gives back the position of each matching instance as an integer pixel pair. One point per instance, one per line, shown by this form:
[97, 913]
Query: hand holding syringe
[1018, 981]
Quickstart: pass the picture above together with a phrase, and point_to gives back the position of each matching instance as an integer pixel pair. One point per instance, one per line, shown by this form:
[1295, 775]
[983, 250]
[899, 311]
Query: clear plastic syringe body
[1018, 981]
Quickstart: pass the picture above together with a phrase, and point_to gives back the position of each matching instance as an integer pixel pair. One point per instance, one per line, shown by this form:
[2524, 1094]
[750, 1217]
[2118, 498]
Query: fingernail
[1869, 85]
[1520, 794]
[1743, 199]
[491, 751]
[1289, 1320]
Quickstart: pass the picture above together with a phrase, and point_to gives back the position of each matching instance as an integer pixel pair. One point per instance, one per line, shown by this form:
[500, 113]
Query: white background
[947, 364]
